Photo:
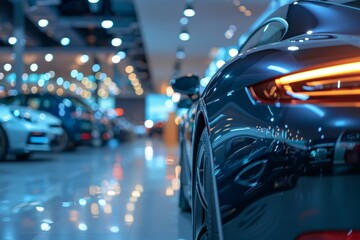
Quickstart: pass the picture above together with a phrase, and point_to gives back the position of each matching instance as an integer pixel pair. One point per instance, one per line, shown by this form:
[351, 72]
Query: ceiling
[161, 28]
[149, 31]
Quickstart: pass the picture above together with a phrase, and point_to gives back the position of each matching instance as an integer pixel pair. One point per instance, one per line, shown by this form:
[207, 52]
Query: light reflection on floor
[123, 191]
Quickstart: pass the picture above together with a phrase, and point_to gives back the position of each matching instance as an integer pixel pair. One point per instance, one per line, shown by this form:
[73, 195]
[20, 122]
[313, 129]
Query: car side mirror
[188, 85]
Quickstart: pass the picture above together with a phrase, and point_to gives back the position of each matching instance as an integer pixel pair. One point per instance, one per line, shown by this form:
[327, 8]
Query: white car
[24, 130]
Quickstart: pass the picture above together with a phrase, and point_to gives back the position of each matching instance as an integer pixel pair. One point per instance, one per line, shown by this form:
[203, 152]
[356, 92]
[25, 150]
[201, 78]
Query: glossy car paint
[288, 167]
[18, 133]
[77, 119]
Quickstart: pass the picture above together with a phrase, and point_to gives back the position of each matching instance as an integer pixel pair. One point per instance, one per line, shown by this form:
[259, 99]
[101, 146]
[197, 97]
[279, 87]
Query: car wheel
[205, 210]
[22, 156]
[3, 144]
[61, 143]
[183, 202]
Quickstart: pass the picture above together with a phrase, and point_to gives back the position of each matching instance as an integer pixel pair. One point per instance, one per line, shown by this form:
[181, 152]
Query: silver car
[24, 130]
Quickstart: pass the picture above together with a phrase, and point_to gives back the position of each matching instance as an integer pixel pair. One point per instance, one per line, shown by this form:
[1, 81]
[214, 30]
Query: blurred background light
[184, 35]
[43, 22]
[12, 40]
[84, 58]
[34, 67]
[116, 59]
[49, 57]
[116, 42]
[107, 24]
[122, 54]
[233, 52]
[65, 41]
[95, 68]
[7, 67]
[189, 10]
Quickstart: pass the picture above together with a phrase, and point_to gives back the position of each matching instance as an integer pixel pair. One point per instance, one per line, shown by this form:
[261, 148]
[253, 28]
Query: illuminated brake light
[85, 136]
[331, 235]
[330, 84]
[342, 69]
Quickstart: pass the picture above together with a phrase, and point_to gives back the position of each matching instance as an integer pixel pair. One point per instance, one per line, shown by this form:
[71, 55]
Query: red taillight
[338, 83]
[85, 136]
[331, 235]
[106, 136]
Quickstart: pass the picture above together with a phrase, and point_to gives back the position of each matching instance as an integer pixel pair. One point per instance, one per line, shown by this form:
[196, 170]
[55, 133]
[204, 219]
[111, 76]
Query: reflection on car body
[21, 132]
[274, 137]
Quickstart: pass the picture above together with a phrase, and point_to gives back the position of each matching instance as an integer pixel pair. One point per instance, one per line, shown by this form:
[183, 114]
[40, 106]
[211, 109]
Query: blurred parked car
[123, 129]
[271, 147]
[104, 125]
[23, 131]
[77, 118]
[54, 126]
[157, 129]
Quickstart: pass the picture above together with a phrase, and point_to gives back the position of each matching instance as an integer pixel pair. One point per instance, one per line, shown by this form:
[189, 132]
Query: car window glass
[46, 103]
[271, 32]
[11, 100]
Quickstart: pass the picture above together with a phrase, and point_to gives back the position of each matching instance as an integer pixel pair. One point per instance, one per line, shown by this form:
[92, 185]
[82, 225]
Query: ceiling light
[12, 40]
[180, 53]
[7, 67]
[34, 67]
[116, 59]
[96, 67]
[65, 41]
[74, 73]
[129, 69]
[93, 1]
[122, 54]
[49, 57]
[189, 11]
[184, 36]
[43, 22]
[247, 13]
[107, 24]
[84, 58]
[116, 42]
[242, 8]
[184, 20]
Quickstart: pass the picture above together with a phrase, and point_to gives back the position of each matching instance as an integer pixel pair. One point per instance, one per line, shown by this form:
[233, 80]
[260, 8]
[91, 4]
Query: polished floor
[124, 191]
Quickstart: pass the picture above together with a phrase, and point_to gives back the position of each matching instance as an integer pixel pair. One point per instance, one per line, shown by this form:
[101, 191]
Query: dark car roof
[350, 3]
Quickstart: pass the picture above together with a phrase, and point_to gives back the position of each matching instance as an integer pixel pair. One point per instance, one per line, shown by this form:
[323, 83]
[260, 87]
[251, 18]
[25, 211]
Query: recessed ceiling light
[65, 41]
[122, 54]
[49, 57]
[7, 67]
[43, 22]
[34, 67]
[189, 11]
[116, 59]
[184, 36]
[96, 67]
[116, 42]
[107, 24]
[12, 40]
[84, 58]
[184, 20]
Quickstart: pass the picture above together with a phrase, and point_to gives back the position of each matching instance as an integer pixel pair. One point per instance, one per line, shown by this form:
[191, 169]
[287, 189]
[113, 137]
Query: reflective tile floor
[125, 191]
